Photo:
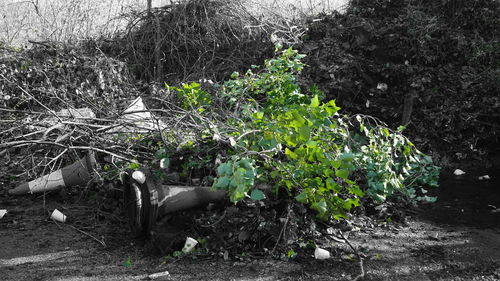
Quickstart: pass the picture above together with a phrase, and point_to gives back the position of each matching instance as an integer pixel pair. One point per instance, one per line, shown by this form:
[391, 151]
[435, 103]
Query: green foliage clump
[192, 96]
[306, 148]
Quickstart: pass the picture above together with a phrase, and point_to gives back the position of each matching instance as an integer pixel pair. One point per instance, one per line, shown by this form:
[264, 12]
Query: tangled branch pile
[54, 99]
[195, 39]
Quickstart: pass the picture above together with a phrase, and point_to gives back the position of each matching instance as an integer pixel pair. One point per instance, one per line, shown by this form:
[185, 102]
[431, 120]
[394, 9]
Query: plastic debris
[382, 86]
[2, 213]
[458, 172]
[137, 119]
[485, 177]
[139, 177]
[58, 216]
[321, 254]
[189, 244]
[158, 275]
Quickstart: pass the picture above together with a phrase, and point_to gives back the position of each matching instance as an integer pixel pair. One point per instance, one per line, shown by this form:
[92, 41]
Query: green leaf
[128, 262]
[312, 144]
[355, 190]
[302, 197]
[222, 183]
[332, 185]
[336, 164]
[258, 115]
[304, 133]
[320, 206]
[291, 254]
[224, 169]
[292, 155]
[385, 132]
[239, 193]
[257, 195]
[347, 156]
[134, 166]
[315, 101]
[344, 174]
[348, 203]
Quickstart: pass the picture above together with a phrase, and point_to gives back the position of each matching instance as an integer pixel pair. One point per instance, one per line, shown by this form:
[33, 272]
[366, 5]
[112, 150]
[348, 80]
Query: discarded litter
[137, 119]
[58, 216]
[382, 86]
[321, 254]
[2, 213]
[158, 275]
[485, 177]
[189, 244]
[78, 173]
[146, 200]
[458, 172]
[139, 177]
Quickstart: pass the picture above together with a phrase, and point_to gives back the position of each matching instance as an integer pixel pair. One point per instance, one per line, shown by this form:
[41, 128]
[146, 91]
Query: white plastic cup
[189, 245]
[58, 216]
[321, 254]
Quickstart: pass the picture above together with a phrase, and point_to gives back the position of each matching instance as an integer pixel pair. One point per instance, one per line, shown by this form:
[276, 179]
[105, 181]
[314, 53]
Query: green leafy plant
[324, 160]
[192, 96]
[237, 177]
[128, 262]
[291, 254]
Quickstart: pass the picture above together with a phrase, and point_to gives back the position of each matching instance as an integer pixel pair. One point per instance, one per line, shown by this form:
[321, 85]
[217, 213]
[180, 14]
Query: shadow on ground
[457, 238]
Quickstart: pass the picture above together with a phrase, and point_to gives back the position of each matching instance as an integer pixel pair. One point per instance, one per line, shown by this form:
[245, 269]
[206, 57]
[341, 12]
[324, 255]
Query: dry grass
[72, 20]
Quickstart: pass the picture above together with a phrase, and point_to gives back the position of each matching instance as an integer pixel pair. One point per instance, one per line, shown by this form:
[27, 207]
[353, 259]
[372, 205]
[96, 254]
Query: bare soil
[457, 238]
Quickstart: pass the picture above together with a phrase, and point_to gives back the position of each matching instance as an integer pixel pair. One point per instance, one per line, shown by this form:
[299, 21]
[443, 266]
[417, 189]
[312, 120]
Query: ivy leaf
[302, 197]
[348, 203]
[344, 174]
[320, 207]
[257, 195]
[332, 185]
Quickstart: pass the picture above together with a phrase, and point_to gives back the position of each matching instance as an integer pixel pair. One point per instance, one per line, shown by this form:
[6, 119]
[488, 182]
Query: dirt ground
[457, 238]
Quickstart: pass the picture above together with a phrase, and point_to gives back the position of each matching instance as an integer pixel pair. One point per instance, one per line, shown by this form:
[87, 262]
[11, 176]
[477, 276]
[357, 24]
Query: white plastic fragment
[158, 275]
[58, 216]
[321, 254]
[139, 176]
[138, 119]
[485, 177]
[189, 245]
[2, 213]
[382, 86]
[458, 172]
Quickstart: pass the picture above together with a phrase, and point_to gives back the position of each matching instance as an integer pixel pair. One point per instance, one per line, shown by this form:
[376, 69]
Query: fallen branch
[360, 259]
